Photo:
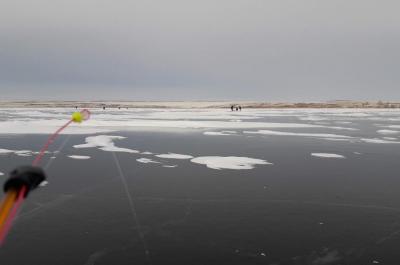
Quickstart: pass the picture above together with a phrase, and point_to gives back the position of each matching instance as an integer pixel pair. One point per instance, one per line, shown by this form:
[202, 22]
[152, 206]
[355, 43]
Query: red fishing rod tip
[85, 114]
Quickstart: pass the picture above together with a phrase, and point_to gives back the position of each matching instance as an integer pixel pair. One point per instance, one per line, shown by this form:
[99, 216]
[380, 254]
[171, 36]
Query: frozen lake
[173, 186]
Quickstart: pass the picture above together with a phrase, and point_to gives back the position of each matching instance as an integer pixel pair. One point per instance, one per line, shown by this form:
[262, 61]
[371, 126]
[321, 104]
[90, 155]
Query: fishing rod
[24, 179]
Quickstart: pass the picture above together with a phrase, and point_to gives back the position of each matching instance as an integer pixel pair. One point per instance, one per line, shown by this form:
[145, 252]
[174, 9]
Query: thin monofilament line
[48, 142]
[16, 205]
[63, 199]
[60, 148]
[132, 207]
[83, 115]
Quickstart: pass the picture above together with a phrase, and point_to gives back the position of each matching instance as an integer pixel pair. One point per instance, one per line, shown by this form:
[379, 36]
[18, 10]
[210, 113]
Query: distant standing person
[240, 108]
[232, 107]
[104, 107]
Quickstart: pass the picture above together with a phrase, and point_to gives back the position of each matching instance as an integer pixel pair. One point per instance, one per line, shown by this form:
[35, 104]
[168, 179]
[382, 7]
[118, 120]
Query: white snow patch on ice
[378, 141]
[341, 128]
[390, 138]
[6, 151]
[147, 153]
[118, 149]
[47, 120]
[390, 126]
[386, 132]
[104, 126]
[338, 139]
[229, 162]
[170, 166]
[313, 118]
[146, 161]
[216, 133]
[1, 174]
[322, 135]
[19, 152]
[78, 157]
[221, 133]
[174, 156]
[105, 143]
[327, 155]
[23, 153]
[343, 122]
[47, 126]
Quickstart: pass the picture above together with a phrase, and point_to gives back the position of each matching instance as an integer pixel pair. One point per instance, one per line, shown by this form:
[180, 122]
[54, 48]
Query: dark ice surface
[301, 210]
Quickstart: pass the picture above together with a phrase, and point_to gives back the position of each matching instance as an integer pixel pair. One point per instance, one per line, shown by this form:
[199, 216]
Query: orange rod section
[6, 206]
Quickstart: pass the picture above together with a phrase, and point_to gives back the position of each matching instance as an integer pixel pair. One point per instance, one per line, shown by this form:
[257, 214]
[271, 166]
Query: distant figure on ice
[240, 108]
[232, 107]
[104, 107]
[237, 108]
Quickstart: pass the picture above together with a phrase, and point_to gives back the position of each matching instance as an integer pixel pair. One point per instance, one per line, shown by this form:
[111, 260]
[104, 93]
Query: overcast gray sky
[281, 50]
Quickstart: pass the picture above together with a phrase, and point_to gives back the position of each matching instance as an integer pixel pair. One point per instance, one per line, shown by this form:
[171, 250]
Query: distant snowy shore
[196, 104]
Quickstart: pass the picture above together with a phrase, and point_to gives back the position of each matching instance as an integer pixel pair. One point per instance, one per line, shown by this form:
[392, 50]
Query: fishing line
[132, 207]
[26, 178]
[60, 148]
[49, 142]
[47, 166]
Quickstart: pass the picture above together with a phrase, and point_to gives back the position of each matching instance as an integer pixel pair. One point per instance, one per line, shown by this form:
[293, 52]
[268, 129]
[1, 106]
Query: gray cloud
[240, 49]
